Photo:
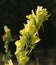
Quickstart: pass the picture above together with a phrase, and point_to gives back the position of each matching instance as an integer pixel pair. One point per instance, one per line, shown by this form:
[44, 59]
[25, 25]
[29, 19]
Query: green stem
[31, 49]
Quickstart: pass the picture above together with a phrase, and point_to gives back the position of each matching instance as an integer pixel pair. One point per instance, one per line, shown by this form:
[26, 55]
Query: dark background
[13, 12]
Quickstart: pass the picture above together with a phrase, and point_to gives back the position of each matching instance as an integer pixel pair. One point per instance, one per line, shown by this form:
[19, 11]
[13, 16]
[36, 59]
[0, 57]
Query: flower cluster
[7, 33]
[29, 34]
[7, 38]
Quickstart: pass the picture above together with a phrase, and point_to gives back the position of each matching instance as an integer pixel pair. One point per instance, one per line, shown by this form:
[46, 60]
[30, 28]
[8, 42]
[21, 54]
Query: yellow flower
[42, 14]
[20, 44]
[29, 28]
[6, 29]
[31, 18]
[22, 32]
[23, 59]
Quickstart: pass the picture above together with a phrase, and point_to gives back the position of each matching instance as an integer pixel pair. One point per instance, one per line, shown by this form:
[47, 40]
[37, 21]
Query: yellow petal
[30, 17]
[22, 32]
[35, 39]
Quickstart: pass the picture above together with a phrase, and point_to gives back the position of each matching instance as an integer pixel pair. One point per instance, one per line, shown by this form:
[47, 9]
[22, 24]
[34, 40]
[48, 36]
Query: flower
[32, 19]
[30, 28]
[7, 35]
[23, 59]
[22, 32]
[20, 44]
[29, 34]
[6, 29]
[4, 37]
[30, 16]
[42, 14]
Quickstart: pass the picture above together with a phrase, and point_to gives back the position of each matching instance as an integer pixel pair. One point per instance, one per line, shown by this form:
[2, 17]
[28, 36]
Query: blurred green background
[13, 12]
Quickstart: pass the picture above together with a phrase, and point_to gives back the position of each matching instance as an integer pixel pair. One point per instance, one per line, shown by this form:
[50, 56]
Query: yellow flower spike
[29, 37]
